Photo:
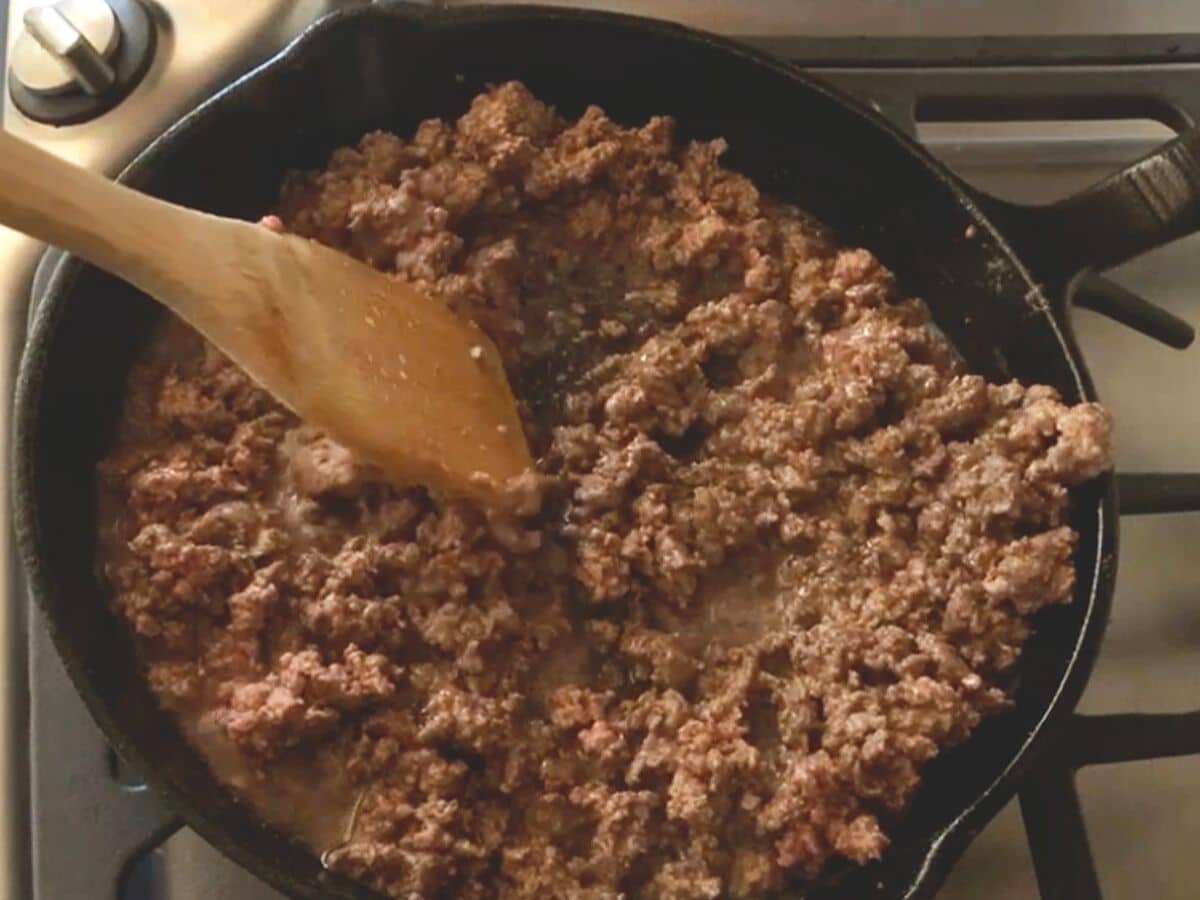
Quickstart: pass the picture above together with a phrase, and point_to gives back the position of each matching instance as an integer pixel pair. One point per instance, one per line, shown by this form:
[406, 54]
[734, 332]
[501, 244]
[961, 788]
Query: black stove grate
[935, 79]
[1097, 293]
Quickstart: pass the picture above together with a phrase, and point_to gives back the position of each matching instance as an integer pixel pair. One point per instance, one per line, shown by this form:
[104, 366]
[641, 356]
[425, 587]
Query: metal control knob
[76, 59]
[67, 46]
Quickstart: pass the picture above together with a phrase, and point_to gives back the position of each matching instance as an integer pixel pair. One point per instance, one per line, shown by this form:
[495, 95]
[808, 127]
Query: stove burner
[1102, 77]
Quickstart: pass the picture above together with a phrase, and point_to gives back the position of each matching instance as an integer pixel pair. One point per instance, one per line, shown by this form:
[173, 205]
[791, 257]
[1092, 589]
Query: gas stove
[1074, 90]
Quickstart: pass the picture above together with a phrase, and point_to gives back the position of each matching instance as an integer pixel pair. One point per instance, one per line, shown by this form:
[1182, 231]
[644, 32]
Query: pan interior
[384, 69]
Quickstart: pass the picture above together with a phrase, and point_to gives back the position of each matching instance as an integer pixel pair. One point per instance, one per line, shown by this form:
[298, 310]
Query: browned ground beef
[787, 548]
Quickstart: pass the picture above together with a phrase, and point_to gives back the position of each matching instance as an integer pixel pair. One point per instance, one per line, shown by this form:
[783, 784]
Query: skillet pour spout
[995, 276]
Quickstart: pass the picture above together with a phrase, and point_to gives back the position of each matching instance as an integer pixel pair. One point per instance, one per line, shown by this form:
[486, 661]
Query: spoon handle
[139, 238]
[214, 273]
[179, 256]
[388, 370]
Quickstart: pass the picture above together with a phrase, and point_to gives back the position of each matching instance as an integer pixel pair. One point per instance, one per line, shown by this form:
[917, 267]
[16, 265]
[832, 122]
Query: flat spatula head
[392, 373]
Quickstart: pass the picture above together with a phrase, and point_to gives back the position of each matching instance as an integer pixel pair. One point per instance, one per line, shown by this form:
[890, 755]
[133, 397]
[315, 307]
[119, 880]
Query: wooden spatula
[386, 370]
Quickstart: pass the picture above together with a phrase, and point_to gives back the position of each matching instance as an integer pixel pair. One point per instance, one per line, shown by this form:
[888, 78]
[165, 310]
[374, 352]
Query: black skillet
[985, 269]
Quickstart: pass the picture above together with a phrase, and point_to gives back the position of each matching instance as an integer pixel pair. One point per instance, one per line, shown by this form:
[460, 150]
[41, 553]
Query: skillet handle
[1150, 202]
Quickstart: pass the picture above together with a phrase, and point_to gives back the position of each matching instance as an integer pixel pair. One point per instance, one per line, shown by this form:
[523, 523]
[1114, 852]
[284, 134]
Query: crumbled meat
[321, 466]
[786, 549]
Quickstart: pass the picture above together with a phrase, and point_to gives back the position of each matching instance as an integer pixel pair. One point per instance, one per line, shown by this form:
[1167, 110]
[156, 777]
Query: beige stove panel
[913, 17]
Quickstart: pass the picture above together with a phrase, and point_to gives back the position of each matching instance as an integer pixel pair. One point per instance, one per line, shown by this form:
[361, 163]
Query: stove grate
[1106, 297]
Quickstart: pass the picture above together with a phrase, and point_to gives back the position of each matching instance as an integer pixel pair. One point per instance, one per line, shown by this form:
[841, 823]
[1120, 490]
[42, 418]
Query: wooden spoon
[385, 369]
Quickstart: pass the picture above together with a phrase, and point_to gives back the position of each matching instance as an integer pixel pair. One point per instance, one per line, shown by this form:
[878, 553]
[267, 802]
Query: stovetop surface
[1144, 818]
[912, 17]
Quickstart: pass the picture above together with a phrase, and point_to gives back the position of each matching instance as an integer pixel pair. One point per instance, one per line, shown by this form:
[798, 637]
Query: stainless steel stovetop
[75, 824]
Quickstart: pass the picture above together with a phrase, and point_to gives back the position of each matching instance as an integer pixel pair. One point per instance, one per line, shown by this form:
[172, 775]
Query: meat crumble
[781, 550]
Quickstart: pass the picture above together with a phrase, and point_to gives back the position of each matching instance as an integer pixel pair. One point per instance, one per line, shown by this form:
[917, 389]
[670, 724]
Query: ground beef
[787, 548]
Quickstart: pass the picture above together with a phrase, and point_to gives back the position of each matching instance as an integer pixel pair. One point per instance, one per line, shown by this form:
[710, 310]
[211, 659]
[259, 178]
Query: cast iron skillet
[391, 66]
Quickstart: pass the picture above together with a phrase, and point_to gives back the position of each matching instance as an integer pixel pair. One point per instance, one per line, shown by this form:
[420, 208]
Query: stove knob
[76, 59]
[67, 47]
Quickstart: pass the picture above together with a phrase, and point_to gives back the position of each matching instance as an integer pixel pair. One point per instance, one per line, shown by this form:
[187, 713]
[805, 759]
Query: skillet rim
[934, 854]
